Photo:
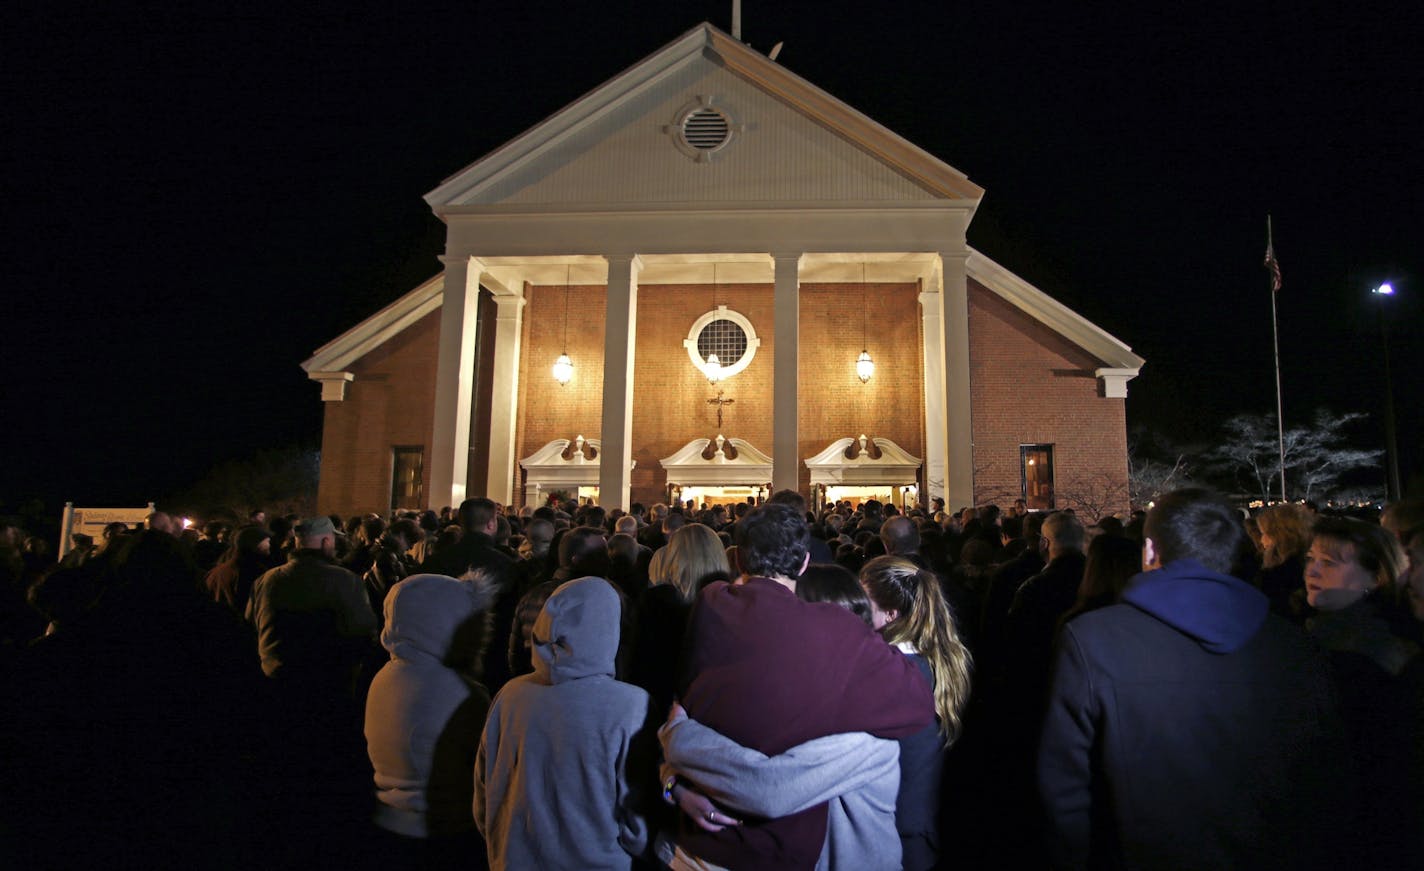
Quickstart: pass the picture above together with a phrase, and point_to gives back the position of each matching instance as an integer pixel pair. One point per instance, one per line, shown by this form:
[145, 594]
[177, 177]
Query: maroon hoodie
[770, 671]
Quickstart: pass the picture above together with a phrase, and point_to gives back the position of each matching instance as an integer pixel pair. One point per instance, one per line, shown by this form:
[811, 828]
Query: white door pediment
[895, 465]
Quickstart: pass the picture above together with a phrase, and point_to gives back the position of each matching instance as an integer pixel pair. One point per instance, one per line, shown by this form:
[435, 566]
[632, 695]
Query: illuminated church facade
[706, 203]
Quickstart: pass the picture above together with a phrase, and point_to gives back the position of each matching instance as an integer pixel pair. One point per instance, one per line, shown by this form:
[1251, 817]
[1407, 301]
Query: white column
[454, 382]
[936, 420]
[615, 461]
[504, 396]
[786, 315]
[959, 455]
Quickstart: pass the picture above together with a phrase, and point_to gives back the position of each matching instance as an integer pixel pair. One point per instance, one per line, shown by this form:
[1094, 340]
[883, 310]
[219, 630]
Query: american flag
[1272, 265]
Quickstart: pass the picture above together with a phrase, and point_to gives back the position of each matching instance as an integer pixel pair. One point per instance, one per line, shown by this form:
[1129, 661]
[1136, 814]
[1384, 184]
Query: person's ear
[1150, 559]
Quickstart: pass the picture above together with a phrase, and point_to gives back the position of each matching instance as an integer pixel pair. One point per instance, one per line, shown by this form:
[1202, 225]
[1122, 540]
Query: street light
[1392, 489]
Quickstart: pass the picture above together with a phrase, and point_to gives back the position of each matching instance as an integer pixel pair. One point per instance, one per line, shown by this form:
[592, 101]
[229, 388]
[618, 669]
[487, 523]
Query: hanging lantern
[714, 369]
[563, 369]
[864, 367]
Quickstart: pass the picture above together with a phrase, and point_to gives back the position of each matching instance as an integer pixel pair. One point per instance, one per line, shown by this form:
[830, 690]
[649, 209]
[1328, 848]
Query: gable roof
[375, 331]
[1053, 314]
[480, 183]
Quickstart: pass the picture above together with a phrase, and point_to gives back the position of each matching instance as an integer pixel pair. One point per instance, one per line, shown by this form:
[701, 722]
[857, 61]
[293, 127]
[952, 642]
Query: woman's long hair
[1289, 527]
[694, 557]
[925, 622]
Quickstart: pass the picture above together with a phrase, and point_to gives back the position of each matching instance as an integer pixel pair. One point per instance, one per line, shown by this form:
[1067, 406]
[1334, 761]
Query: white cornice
[464, 187]
[732, 209]
[1119, 364]
[1053, 314]
[355, 343]
[859, 128]
[333, 384]
[468, 182]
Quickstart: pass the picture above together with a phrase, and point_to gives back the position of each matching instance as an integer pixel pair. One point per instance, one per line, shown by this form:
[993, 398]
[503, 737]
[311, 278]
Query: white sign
[91, 522]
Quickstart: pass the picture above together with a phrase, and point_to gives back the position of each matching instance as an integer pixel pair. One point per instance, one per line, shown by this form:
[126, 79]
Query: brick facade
[670, 395]
[1028, 385]
[391, 402]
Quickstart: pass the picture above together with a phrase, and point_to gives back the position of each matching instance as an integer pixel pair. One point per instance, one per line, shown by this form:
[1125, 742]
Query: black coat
[477, 552]
[1189, 728]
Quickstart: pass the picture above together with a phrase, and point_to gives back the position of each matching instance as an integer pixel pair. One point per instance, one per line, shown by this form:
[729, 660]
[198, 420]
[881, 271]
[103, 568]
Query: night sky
[197, 196]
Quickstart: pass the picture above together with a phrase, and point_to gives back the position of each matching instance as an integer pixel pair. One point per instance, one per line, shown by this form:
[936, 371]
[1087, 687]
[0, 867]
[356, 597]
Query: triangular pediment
[622, 144]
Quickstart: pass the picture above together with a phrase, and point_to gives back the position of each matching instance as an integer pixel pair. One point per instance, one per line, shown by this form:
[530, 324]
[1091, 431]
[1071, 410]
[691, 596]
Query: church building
[708, 279]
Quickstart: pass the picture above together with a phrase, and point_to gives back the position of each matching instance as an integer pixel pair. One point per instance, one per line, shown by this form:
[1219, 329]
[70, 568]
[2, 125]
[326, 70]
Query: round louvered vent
[706, 129]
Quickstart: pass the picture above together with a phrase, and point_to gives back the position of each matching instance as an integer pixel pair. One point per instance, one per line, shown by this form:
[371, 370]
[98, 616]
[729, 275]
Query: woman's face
[1334, 579]
[1266, 541]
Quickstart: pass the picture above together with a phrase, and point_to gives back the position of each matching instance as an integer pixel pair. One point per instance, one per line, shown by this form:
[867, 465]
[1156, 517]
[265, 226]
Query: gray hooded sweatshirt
[552, 777]
[423, 716]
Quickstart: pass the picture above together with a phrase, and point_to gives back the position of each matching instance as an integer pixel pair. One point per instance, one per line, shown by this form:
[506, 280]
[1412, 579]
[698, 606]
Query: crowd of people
[720, 686]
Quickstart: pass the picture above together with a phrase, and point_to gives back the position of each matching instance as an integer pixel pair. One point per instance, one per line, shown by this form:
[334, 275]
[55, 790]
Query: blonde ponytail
[925, 622]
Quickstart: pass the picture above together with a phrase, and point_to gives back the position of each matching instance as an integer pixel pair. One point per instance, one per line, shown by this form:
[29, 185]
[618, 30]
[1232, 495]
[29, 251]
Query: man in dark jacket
[1038, 605]
[477, 551]
[1188, 727]
[312, 617]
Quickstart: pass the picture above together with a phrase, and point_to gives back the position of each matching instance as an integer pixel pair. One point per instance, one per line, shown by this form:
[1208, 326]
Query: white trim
[895, 466]
[548, 468]
[688, 468]
[376, 330]
[1053, 314]
[1119, 362]
[1115, 381]
[721, 313]
[466, 186]
[333, 384]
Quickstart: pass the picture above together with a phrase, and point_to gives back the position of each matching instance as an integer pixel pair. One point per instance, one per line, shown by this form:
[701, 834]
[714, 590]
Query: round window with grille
[725, 339]
[726, 333]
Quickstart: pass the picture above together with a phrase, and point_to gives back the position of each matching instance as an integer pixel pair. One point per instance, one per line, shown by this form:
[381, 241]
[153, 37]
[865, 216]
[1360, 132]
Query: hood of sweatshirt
[1219, 612]
[428, 615]
[576, 634]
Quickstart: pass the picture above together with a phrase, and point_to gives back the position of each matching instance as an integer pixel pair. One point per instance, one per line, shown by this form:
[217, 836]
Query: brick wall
[547, 410]
[670, 395]
[834, 403]
[390, 402]
[1029, 385]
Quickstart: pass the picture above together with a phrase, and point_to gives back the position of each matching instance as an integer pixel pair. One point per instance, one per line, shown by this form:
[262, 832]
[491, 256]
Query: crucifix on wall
[719, 402]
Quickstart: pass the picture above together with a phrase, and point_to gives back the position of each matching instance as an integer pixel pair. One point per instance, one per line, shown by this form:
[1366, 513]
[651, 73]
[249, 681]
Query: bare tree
[984, 493]
[1157, 464]
[1093, 496]
[1316, 455]
[1148, 479]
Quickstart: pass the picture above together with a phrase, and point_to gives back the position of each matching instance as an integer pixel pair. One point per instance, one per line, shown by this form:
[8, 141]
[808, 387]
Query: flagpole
[1274, 283]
